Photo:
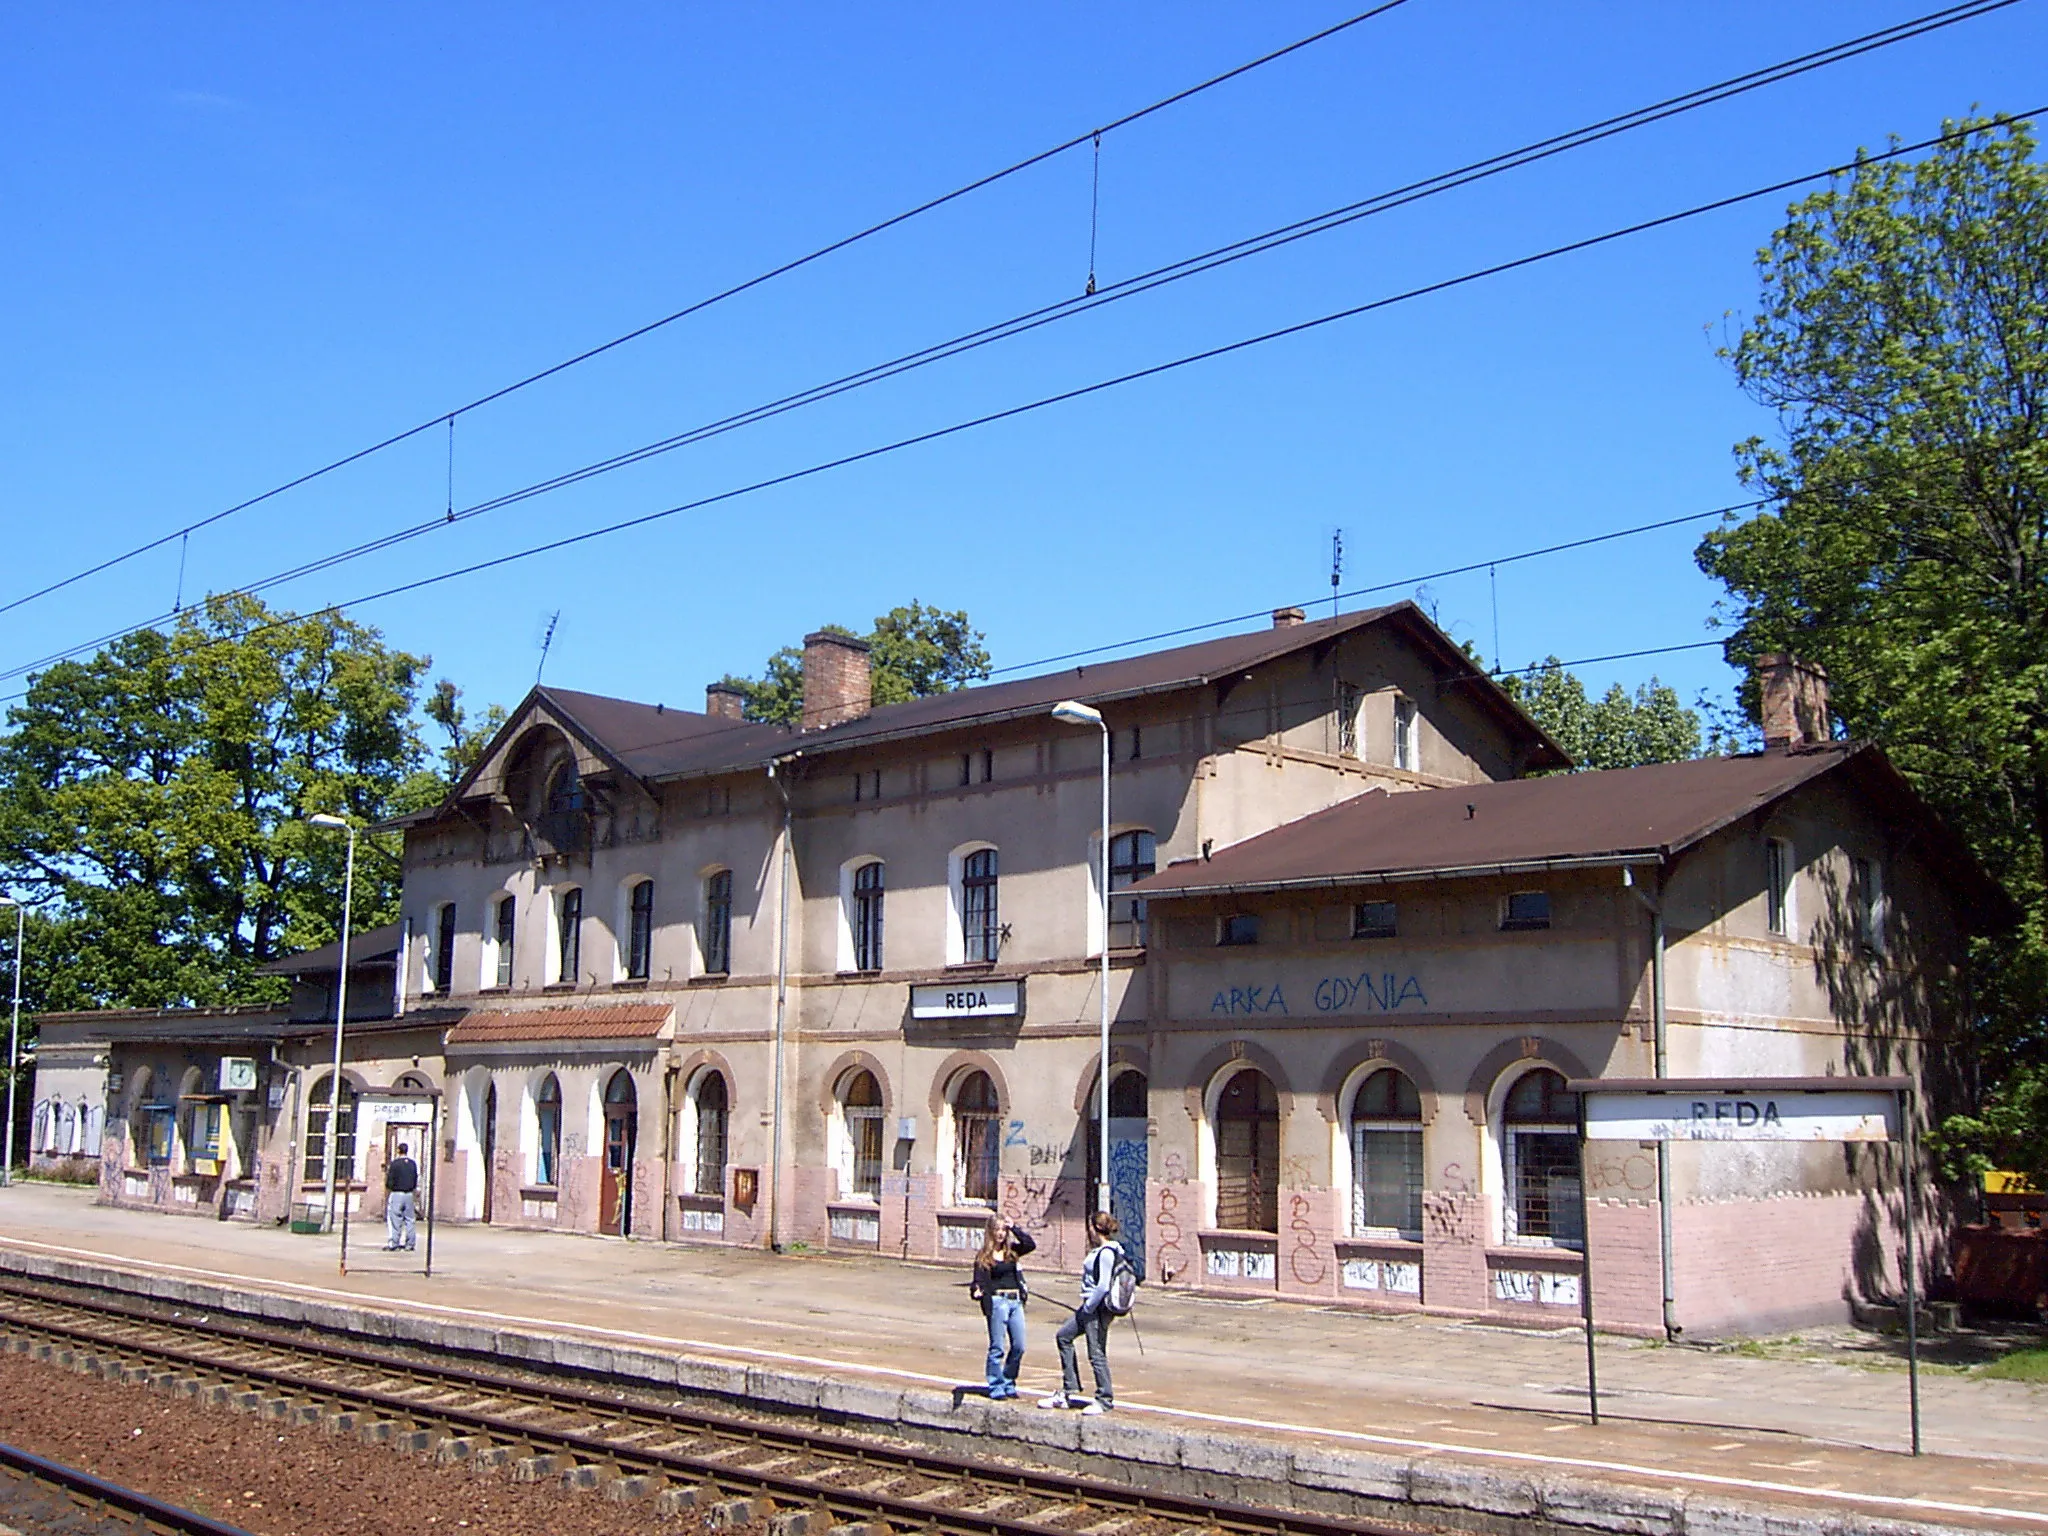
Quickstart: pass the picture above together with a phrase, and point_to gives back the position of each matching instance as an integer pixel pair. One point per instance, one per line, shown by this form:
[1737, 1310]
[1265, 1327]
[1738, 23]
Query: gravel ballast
[279, 1480]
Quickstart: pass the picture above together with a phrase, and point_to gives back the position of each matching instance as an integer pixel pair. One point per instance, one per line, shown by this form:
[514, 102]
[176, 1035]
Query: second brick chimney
[1792, 698]
[1287, 618]
[837, 685]
[725, 701]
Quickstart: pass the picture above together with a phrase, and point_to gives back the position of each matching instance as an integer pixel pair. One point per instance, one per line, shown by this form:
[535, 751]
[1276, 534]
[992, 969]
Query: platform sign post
[1786, 1109]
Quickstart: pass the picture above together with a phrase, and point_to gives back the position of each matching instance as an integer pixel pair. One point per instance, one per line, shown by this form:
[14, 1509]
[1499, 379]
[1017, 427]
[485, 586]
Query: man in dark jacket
[401, 1183]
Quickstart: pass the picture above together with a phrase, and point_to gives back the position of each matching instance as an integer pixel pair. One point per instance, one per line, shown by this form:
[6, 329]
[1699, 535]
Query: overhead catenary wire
[734, 291]
[1144, 282]
[1155, 370]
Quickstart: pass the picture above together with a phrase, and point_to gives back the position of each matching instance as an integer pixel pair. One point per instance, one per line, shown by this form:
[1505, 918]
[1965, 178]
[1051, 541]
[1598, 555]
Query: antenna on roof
[1336, 568]
[547, 639]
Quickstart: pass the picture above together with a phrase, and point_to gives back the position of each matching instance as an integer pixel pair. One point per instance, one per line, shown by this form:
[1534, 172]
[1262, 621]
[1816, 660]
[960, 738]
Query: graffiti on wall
[1366, 992]
[1127, 1162]
[1306, 1261]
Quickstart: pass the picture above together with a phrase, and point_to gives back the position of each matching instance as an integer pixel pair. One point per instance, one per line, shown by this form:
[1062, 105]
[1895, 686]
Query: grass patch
[2020, 1365]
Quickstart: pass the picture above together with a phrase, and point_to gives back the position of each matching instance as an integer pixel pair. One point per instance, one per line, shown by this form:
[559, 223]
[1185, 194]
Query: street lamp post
[1075, 713]
[13, 1038]
[348, 892]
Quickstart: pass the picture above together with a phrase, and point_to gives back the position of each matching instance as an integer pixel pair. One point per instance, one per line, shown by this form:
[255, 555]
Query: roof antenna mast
[547, 639]
[1336, 568]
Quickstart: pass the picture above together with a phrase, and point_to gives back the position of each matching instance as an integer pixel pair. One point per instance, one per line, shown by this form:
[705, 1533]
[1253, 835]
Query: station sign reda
[1743, 1115]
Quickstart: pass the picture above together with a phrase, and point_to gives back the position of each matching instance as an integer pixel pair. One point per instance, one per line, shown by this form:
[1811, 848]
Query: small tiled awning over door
[633, 1021]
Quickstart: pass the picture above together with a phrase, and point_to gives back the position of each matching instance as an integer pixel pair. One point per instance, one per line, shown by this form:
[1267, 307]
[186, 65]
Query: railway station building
[677, 975]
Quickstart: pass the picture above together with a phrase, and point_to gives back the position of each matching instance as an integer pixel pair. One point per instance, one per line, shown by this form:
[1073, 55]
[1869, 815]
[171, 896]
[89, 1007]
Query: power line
[1205, 355]
[1390, 586]
[720, 297]
[1144, 282]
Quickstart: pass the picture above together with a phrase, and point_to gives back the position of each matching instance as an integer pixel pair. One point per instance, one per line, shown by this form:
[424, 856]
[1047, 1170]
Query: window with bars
[1540, 1154]
[868, 893]
[718, 923]
[977, 1139]
[1248, 1154]
[317, 1103]
[640, 930]
[712, 1114]
[547, 1114]
[1386, 1156]
[1350, 720]
[1778, 885]
[861, 1106]
[1405, 742]
[568, 935]
[1132, 857]
[980, 925]
[502, 929]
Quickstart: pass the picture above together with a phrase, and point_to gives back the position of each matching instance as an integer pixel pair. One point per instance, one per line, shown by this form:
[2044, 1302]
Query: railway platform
[1436, 1420]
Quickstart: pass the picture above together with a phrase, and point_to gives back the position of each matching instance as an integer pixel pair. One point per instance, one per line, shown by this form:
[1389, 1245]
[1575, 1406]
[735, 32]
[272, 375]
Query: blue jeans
[398, 1217]
[1005, 1344]
[1094, 1326]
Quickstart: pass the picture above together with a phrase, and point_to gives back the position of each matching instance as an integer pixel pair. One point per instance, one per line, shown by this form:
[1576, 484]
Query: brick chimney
[836, 681]
[1287, 618]
[1792, 697]
[725, 701]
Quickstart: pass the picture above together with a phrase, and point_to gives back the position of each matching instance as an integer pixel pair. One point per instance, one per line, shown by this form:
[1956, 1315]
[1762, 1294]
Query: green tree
[152, 801]
[915, 650]
[1622, 730]
[1902, 341]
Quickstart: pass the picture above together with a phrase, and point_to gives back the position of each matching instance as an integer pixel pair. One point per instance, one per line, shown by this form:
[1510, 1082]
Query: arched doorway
[490, 1146]
[621, 1131]
[1248, 1154]
[1129, 1121]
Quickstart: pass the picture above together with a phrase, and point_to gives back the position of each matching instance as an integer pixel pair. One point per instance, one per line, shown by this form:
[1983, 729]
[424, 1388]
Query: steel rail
[623, 1442]
[172, 1519]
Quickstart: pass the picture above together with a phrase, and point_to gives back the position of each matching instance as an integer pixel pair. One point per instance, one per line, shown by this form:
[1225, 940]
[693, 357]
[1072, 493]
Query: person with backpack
[998, 1284]
[1107, 1282]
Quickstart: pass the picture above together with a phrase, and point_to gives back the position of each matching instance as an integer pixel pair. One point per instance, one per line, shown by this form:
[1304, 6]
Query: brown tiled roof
[630, 1021]
[654, 742]
[371, 947]
[1645, 813]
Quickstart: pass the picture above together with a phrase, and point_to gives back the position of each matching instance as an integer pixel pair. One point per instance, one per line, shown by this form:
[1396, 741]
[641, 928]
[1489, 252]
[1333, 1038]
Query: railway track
[733, 1470]
[121, 1508]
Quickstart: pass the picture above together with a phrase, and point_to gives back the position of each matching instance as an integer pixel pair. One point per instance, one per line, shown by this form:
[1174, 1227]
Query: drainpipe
[668, 1147]
[1660, 1037]
[781, 1017]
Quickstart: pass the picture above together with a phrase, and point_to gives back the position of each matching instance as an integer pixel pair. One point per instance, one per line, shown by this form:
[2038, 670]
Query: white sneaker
[1096, 1408]
[1057, 1400]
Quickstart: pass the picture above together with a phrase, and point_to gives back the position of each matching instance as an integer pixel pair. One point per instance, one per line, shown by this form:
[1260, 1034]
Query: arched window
[1132, 857]
[565, 790]
[860, 1106]
[498, 951]
[1248, 1154]
[718, 922]
[1540, 1161]
[1386, 1156]
[866, 916]
[317, 1101]
[547, 1115]
[639, 947]
[710, 1101]
[441, 963]
[977, 1138]
[980, 918]
[568, 935]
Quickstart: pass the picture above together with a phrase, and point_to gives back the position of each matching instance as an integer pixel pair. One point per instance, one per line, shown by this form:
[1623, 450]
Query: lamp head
[325, 820]
[1075, 713]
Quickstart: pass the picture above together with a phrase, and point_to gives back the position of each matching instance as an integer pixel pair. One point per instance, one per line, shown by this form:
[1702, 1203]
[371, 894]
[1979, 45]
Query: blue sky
[244, 240]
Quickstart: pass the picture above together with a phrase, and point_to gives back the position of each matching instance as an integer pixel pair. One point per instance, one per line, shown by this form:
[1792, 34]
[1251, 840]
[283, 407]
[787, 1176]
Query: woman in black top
[999, 1286]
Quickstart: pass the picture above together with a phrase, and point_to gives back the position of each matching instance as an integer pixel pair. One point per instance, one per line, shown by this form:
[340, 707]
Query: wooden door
[490, 1147]
[621, 1128]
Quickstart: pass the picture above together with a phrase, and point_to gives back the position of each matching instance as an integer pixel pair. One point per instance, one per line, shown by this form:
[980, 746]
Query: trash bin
[308, 1217]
